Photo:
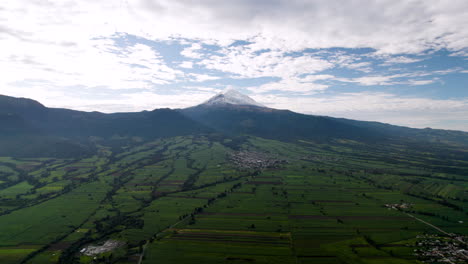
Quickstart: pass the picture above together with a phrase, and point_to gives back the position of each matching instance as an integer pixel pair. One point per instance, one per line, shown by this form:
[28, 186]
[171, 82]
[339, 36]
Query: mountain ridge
[20, 117]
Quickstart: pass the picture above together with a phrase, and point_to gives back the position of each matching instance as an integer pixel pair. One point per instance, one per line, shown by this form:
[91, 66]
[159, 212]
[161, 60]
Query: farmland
[214, 199]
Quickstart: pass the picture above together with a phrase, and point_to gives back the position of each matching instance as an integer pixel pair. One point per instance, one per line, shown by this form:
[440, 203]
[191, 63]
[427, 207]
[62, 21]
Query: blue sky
[399, 62]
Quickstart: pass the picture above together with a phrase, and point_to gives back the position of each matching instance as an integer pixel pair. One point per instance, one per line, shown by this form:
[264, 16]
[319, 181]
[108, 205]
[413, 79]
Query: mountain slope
[253, 119]
[230, 113]
[276, 124]
[426, 134]
[246, 116]
[27, 127]
[14, 124]
[71, 123]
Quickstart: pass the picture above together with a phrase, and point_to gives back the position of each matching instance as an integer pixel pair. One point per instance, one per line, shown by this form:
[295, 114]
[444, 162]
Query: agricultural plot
[187, 200]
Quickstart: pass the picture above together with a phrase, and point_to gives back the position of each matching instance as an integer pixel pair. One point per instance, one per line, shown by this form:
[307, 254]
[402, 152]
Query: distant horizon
[215, 94]
[397, 62]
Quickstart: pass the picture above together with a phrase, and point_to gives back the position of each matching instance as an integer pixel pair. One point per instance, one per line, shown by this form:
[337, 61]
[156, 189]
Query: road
[429, 224]
[435, 227]
[156, 236]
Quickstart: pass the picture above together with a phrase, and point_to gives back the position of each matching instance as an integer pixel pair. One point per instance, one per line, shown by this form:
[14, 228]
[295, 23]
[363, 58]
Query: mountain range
[27, 127]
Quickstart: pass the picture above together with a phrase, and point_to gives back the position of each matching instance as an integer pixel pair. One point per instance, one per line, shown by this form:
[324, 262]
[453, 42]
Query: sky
[400, 62]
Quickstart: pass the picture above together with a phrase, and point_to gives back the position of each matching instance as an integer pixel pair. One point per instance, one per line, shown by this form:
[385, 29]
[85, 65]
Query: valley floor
[211, 199]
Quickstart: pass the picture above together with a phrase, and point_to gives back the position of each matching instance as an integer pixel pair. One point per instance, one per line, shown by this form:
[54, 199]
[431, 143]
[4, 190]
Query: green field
[187, 200]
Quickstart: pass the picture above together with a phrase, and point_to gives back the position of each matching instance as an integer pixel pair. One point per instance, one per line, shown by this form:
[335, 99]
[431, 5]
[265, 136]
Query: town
[255, 160]
[436, 249]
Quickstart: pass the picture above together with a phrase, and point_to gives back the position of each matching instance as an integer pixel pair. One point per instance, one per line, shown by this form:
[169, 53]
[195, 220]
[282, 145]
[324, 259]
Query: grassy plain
[182, 200]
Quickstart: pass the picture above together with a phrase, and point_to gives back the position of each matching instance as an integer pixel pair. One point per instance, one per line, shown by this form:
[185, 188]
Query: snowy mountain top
[231, 96]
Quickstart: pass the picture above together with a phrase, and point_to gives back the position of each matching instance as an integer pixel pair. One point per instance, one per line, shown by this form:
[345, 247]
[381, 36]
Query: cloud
[408, 78]
[461, 53]
[316, 77]
[363, 101]
[421, 82]
[248, 62]
[91, 63]
[292, 85]
[202, 77]
[71, 35]
[186, 64]
[387, 26]
[108, 102]
[399, 60]
[372, 80]
[151, 100]
[349, 61]
[193, 51]
[57, 51]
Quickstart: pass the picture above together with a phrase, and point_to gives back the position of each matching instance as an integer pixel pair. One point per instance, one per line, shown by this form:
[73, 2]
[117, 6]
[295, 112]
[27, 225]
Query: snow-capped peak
[231, 96]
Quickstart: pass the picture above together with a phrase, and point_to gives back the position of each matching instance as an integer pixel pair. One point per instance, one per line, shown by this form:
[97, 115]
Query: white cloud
[52, 48]
[193, 51]
[360, 66]
[443, 72]
[186, 64]
[461, 53]
[421, 82]
[92, 63]
[125, 102]
[149, 100]
[202, 77]
[399, 60]
[372, 80]
[316, 77]
[350, 61]
[388, 26]
[397, 79]
[293, 85]
[57, 40]
[247, 62]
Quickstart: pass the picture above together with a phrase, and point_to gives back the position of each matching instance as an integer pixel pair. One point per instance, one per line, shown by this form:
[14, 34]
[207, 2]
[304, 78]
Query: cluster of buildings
[435, 249]
[109, 245]
[255, 160]
[398, 206]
